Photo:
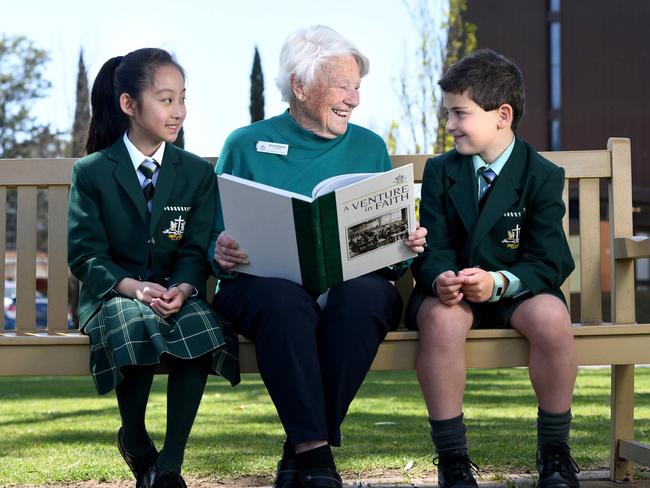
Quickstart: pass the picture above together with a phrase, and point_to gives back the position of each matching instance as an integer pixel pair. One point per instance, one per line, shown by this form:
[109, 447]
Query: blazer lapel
[127, 178]
[503, 195]
[462, 191]
[164, 184]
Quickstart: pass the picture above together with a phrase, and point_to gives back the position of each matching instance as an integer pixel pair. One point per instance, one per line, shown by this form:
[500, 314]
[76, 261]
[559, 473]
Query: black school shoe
[321, 477]
[456, 470]
[556, 467]
[286, 475]
[140, 464]
[154, 478]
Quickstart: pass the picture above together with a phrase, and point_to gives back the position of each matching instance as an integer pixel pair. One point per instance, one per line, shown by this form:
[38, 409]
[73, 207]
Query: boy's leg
[440, 363]
[441, 372]
[545, 322]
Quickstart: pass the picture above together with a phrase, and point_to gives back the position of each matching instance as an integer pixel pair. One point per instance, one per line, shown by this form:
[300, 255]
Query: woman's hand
[227, 253]
[416, 240]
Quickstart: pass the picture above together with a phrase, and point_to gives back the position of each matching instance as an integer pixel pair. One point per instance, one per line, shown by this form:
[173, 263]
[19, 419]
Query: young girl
[140, 215]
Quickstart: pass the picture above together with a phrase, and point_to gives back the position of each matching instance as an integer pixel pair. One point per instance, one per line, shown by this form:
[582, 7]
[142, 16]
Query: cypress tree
[81, 112]
[257, 89]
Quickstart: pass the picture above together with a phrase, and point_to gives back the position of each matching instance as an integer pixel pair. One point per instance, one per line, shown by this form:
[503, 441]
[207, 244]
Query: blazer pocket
[506, 235]
[171, 227]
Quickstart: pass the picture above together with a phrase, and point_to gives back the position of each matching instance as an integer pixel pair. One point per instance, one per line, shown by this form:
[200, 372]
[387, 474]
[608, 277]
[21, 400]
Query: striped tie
[148, 168]
[488, 177]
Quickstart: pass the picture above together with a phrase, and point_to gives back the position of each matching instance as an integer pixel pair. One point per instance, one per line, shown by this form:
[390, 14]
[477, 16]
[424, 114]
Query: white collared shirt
[137, 158]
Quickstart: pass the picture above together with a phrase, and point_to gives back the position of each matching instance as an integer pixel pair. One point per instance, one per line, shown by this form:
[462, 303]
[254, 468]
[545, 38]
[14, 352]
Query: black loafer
[154, 478]
[286, 476]
[321, 477]
[140, 464]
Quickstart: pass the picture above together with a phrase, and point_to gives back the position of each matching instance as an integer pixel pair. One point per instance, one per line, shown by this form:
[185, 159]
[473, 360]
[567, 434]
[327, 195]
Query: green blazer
[112, 236]
[519, 229]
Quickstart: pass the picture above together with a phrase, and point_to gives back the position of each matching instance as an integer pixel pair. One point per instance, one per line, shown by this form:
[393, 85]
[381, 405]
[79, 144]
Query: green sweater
[310, 158]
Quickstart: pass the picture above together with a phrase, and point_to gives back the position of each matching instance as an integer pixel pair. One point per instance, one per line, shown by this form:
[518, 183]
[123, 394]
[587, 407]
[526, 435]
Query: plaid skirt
[126, 332]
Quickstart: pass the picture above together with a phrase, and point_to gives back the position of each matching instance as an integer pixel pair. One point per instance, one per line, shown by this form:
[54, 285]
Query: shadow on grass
[237, 430]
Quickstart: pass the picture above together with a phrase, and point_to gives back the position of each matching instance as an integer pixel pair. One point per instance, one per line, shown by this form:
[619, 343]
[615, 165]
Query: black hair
[490, 80]
[129, 74]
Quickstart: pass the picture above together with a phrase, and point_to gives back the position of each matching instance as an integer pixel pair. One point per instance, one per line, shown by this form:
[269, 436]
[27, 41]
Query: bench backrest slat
[591, 309]
[57, 271]
[620, 220]
[566, 286]
[26, 257]
[3, 244]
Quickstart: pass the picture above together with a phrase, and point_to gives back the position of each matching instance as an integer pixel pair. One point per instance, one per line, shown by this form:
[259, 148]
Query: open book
[352, 225]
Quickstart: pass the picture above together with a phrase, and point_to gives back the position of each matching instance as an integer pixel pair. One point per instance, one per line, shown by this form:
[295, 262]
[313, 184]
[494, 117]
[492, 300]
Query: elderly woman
[312, 359]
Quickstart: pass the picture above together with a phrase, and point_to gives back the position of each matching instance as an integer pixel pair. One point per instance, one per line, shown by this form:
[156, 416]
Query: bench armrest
[635, 247]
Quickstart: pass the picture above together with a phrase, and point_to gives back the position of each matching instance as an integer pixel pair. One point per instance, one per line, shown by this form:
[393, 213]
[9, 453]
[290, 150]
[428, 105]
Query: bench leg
[622, 419]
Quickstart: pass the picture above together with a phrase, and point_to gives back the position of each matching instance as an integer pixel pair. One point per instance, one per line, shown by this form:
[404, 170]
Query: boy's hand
[448, 287]
[477, 284]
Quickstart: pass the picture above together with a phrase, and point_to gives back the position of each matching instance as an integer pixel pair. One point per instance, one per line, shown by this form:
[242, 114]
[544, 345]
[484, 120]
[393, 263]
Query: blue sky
[214, 41]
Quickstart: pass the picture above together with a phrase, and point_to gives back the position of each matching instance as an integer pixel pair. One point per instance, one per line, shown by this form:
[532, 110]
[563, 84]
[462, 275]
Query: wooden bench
[622, 343]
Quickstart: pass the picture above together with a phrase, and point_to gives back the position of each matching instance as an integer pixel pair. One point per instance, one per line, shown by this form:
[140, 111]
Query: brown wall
[605, 73]
[524, 41]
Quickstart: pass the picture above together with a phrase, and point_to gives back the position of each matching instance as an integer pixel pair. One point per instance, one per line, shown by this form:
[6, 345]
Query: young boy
[496, 257]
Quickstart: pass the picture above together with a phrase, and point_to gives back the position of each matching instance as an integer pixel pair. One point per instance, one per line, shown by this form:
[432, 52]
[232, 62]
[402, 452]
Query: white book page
[262, 223]
[336, 182]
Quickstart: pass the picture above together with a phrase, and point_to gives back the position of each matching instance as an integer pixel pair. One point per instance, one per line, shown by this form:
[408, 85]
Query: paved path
[589, 479]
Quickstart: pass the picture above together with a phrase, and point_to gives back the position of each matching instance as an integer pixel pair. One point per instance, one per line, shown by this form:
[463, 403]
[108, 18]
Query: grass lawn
[57, 429]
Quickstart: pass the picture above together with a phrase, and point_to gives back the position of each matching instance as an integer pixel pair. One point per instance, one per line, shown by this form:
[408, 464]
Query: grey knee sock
[449, 435]
[553, 426]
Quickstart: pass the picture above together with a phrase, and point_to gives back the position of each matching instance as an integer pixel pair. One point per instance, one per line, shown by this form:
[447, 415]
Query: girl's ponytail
[108, 121]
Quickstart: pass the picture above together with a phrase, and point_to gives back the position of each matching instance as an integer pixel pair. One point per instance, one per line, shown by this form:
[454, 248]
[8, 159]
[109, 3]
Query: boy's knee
[551, 325]
[442, 324]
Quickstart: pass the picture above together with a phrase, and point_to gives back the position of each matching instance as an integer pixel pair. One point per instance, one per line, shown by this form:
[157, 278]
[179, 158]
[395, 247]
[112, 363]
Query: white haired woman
[312, 360]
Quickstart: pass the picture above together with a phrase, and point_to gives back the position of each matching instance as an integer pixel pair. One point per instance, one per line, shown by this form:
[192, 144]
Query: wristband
[498, 288]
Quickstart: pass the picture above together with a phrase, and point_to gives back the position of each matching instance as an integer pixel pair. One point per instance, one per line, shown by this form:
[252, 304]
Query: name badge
[272, 147]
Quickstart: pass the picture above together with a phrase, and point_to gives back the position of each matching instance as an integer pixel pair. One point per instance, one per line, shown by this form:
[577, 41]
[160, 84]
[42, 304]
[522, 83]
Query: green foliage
[440, 44]
[58, 430]
[22, 82]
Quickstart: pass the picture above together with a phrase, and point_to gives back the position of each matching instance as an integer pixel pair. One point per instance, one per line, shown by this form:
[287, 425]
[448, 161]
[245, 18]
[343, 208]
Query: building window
[555, 82]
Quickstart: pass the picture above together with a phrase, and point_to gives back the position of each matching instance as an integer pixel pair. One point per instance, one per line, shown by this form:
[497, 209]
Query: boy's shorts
[485, 315]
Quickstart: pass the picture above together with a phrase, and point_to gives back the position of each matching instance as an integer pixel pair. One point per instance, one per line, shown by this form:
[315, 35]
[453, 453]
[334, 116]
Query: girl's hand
[172, 300]
[144, 291]
[227, 253]
[416, 241]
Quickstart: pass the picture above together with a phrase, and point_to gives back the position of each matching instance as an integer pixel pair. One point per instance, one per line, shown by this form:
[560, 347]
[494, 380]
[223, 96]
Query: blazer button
[152, 240]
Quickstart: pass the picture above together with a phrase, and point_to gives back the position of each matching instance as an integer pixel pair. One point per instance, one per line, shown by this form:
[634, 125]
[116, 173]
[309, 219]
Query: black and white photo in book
[377, 232]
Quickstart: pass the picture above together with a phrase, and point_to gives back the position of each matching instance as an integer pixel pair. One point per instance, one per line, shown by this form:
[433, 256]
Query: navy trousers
[312, 361]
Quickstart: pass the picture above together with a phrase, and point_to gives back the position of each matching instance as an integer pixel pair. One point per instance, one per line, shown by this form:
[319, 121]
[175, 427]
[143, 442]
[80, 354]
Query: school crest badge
[176, 229]
[512, 237]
